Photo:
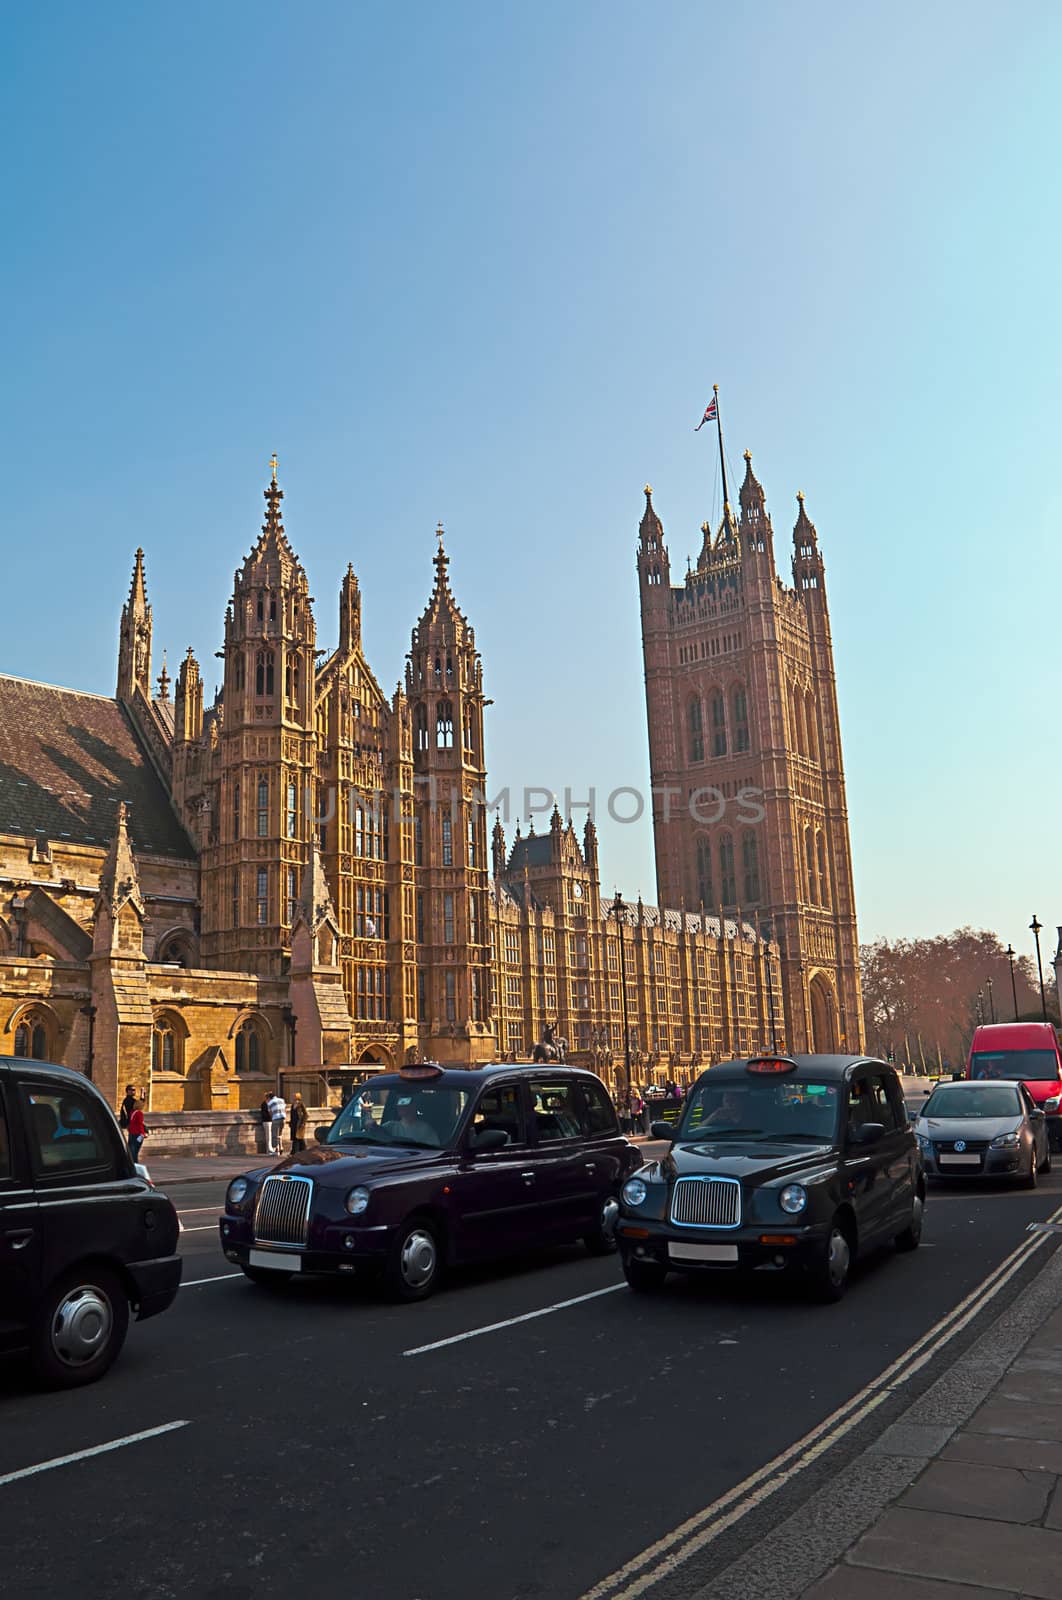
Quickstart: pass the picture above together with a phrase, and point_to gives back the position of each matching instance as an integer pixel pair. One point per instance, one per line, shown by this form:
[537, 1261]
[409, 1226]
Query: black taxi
[431, 1165]
[84, 1235]
[778, 1163]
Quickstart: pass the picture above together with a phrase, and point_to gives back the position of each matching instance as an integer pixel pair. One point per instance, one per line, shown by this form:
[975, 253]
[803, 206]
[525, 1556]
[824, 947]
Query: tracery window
[248, 1049]
[31, 1038]
[444, 726]
[750, 858]
[264, 670]
[726, 870]
[717, 716]
[740, 705]
[696, 730]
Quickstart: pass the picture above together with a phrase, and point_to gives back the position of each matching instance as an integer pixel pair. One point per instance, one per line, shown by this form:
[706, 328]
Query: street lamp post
[1010, 954]
[90, 1012]
[617, 911]
[765, 934]
[1034, 928]
[991, 1000]
[980, 1006]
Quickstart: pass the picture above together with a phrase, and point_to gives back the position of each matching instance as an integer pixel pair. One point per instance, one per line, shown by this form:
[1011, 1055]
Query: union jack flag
[710, 414]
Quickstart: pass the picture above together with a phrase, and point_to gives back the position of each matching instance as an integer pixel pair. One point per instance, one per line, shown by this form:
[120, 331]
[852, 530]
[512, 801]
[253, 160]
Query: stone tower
[749, 811]
[258, 849]
[444, 688]
[134, 639]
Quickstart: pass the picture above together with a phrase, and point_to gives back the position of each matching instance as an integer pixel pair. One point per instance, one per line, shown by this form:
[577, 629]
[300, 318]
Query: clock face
[577, 891]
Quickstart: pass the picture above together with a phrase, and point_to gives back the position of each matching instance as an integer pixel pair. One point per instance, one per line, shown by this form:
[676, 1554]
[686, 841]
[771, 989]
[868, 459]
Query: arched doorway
[376, 1055]
[823, 1016]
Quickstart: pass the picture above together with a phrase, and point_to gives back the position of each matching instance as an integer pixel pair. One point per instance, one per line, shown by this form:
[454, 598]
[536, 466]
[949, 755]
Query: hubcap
[418, 1259]
[82, 1325]
[916, 1217]
[609, 1215]
[839, 1257]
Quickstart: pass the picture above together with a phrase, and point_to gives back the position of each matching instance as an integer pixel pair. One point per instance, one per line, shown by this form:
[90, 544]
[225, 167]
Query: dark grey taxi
[779, 1163]
[83, 1236]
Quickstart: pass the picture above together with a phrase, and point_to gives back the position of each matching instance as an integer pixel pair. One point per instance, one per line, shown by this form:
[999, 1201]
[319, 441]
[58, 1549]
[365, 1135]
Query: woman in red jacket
[137, 1131]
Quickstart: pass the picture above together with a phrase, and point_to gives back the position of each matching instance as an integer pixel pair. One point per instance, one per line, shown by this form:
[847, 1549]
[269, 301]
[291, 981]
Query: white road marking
[705, 1526]
[510, 1322]
[96, 1450]
[192, 1211]
[202, 1227]
[219, 1277]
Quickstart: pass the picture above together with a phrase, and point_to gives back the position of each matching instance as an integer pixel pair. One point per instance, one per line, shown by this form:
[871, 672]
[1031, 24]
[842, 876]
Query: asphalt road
[320, 1457]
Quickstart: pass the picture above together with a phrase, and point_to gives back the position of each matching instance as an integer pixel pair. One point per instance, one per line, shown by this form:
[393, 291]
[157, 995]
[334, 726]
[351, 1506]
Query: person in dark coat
[299, 1118]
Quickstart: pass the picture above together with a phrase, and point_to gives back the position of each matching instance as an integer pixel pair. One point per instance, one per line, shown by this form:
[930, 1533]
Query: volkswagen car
[784, 1164]
[984, 1129]
[429, 1166]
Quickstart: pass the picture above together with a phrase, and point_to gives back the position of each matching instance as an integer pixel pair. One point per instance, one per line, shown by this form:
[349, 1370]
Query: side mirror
[867, 1133]
[321, 1133]
[1052, 1104]
[957, 1077]
[488, 1139]
[663, 1130]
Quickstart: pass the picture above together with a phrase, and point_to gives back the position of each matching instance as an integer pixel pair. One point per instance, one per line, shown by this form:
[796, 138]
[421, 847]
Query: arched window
[163, 1051]
[291, 679]
[420, 728]
[264, 669]
[809, 865]
[811, 726]
[717, 718]
[248, 1049]
[696, 729]
[726, 870]
[447, 842]
[444, 725]
[236, 811]
[705, 891]
[31, 1038]
[263, 807]
[750, 860]
[740, 705]
[470, 730]
[824, 882]
[796, 722]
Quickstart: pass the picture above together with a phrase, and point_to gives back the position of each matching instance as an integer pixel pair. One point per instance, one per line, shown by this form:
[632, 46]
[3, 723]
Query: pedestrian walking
[127, 1107]
[634, 1111]
[277, 1113]
[299, 1119]
[265, 1116]
[137, 1130]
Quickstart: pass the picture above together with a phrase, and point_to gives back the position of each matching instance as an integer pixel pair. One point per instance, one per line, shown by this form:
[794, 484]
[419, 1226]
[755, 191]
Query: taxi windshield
[994, 1100]
[762, 1108]
[396, 1113]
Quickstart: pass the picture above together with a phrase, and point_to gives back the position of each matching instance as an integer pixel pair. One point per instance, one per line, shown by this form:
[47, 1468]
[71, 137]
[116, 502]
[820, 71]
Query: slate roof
[67, 759]
[531, 850]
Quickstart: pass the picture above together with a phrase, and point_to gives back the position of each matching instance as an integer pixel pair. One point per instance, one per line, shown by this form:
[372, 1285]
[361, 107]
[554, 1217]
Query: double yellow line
[661, 1559]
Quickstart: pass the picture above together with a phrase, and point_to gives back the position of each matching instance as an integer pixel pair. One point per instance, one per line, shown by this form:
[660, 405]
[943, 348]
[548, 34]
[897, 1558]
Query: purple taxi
[429, 1166]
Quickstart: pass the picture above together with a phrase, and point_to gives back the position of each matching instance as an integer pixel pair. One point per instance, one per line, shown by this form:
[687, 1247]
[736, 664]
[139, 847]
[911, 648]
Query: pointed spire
[119, 880]
[164, 682]
[498, 847]
[138, 600]
[556, 825]
[188, 700]
[315, 901]
[650, 523]
[590, 842]
[804, 529]
[753, 500]
[349, 612]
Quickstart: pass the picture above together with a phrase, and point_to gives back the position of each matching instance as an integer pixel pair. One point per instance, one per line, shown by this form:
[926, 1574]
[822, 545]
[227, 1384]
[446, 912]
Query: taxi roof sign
[421, 1069]
[769, 1064]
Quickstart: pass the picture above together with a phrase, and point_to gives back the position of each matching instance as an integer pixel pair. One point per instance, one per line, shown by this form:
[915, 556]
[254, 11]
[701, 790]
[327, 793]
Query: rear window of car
[66, 1132]
[994, 1100]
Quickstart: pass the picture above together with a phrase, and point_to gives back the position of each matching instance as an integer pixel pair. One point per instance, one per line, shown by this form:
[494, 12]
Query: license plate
[703, 1252]
[274, 1259]
[959, 1161]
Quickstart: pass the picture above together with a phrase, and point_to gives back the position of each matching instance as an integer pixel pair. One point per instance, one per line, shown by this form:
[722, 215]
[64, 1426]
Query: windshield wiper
[719, 1133]
[788, 1138]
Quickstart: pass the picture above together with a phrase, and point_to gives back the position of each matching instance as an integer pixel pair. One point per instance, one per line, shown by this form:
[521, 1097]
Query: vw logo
[960, 1145]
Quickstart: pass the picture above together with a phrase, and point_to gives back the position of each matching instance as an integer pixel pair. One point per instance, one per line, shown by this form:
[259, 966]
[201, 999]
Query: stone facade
[749, 809]
[298, 878]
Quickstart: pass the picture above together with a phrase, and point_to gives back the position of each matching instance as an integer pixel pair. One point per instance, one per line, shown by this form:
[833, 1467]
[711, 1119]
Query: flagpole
[722, 458]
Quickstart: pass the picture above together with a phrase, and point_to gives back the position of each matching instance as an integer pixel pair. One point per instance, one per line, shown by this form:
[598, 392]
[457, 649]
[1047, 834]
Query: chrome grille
[283, 1214]
[706, 1203]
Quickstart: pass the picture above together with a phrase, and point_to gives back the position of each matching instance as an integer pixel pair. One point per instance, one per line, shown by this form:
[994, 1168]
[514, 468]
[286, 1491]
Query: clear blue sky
[483, 263]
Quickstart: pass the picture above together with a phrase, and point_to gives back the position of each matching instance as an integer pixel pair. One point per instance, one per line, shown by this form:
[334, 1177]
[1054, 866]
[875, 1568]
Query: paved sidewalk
[984, 1518]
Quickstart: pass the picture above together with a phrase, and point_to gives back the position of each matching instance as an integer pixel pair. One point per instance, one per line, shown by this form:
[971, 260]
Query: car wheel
[644, 1277]
[414, 1264]
[266, 1277]
[1030, 1179]
[601, 1239]
[80, 1328]
[829, 1274]
[911, 1236]
[1045, 1164]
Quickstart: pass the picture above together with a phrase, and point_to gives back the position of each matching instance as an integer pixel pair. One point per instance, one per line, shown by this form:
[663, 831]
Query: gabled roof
[66, 761]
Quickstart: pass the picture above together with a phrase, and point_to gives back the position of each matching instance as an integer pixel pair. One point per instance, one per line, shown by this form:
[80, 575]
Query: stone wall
[216, 1133]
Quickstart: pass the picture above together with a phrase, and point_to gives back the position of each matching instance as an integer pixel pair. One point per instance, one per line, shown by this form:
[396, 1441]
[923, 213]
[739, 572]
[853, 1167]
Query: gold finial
[800, 496]
[439, 533]
[704, 527]
[273, 466]
[715, 388]
[748, 455]
[648, 488]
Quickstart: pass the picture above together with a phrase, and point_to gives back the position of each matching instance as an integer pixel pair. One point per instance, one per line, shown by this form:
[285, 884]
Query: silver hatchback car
[978, 1129]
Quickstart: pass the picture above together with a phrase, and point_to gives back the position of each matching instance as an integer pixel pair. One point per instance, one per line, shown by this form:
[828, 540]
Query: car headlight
[793, 1198]
[924, 1142]
[634, 1192]
[237, 1192]
[1004, 1141]
[356, 1202]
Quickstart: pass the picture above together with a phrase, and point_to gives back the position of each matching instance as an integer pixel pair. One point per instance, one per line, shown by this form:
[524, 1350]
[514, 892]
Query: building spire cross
[273, 466]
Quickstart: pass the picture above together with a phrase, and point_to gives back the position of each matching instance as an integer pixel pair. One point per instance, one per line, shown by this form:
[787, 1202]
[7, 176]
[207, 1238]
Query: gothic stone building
[749, 810]
[196, 898]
